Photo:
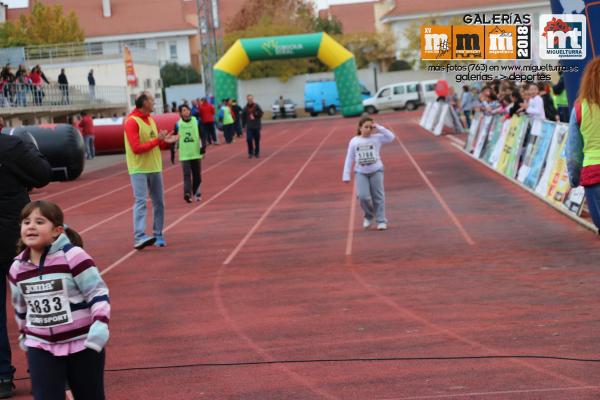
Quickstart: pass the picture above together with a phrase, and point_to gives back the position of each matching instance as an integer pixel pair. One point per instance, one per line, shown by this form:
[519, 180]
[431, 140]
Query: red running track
[265, 271]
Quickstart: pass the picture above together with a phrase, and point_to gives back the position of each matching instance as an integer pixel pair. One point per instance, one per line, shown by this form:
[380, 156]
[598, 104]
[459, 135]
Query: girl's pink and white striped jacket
[61, 305]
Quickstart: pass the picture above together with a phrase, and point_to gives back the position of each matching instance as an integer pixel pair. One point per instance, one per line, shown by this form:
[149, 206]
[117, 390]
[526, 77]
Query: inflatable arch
[319, 45]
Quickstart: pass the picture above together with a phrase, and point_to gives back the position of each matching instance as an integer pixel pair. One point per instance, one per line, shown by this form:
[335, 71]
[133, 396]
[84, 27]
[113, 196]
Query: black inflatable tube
[62, 145]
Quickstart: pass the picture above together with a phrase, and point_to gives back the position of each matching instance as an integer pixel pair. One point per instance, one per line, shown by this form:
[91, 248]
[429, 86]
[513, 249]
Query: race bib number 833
[47, 303]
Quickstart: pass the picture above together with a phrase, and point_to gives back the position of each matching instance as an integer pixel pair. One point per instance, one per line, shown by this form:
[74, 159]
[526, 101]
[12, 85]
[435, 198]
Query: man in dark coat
[251, 116]
[22, 167]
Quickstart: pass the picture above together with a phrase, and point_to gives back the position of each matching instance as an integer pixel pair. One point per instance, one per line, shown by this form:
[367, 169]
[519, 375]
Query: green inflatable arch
[319, 45]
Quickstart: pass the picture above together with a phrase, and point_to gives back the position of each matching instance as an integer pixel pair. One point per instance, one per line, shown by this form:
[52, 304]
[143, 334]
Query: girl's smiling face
[37, 231]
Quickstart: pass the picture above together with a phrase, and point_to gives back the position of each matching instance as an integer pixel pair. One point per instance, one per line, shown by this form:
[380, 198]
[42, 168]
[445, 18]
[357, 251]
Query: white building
[168, 26]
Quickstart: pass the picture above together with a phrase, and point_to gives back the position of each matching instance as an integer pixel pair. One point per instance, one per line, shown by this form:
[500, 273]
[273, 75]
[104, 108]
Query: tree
[44, 25]
[399, 65]
[175, 74]
[295, 13]
[332, 25]
[369, 47]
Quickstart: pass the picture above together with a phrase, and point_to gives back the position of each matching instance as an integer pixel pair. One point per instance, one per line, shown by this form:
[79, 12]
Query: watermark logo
[469, 42]
[436, 43]
[563, 37]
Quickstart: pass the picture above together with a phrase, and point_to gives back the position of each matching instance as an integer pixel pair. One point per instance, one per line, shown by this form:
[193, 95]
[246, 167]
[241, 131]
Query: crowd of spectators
[20, 87]
[538, 100]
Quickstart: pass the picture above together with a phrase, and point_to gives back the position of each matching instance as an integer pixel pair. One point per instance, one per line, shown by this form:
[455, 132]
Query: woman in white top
[535, 105]
[364, 151]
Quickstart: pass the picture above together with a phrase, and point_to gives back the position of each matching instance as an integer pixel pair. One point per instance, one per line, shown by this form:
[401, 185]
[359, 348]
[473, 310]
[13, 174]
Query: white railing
[87, 51]
[33, 96]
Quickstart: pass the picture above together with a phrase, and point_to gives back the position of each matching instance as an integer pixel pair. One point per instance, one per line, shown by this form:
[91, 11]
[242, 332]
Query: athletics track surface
[265, 269]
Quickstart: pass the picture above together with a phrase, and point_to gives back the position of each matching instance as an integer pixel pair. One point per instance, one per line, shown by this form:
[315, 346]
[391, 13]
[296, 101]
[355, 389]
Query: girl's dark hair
[361, 122]
[54, 214]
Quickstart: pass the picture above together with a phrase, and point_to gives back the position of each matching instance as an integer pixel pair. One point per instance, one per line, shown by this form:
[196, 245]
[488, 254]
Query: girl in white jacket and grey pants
[364, 150]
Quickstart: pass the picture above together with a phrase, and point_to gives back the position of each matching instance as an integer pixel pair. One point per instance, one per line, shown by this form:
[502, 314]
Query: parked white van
[398, 96]
[428, 91]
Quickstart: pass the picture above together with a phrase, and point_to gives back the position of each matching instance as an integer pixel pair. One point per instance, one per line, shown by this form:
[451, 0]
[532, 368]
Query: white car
[398, 96]
[289, 107]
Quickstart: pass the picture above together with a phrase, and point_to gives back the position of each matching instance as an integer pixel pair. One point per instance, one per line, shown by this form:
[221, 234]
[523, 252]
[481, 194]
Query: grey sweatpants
[369, 188]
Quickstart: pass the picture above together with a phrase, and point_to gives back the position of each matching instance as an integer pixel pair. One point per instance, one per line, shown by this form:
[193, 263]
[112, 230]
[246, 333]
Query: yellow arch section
[235, 60]
[331, 53]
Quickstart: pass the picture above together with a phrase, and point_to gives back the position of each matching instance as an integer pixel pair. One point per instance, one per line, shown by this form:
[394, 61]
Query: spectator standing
[207, 116]
[22, 84]
[63, 84]
[22, 166]
[561, 102]
[86, 127]
[467, 103]
[92, 84]
[237, 113]
[251, 119]
[535, 103]
[281, 102]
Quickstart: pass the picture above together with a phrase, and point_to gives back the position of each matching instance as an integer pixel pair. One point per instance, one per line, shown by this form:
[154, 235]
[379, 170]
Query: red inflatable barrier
[109, 132]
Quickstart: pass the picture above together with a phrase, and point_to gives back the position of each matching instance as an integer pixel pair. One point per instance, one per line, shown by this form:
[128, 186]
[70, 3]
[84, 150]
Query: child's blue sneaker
[143, 242]
[160, 242]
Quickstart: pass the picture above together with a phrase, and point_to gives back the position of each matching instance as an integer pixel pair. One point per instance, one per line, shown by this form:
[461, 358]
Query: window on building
[159, 83]
[173, 51]
[132, 100]
[147, 84]
[140, 43]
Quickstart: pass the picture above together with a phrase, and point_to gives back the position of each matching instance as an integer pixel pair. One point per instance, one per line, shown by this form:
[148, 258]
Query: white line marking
[219, 194]
[437, 195]
[277, 200]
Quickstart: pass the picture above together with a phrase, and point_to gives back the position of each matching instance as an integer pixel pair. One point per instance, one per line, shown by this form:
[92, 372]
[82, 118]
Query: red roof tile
[359, 17]
[407, 7]
[128, 16]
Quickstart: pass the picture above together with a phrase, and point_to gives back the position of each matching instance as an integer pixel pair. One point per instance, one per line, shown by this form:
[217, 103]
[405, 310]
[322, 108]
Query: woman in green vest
[191, 152]
[583, 143]
[228, 120]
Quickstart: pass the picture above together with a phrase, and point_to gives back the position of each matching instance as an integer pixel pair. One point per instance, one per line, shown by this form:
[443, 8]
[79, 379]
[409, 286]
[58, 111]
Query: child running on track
[191, 152]
[364, 150]
[61, 307]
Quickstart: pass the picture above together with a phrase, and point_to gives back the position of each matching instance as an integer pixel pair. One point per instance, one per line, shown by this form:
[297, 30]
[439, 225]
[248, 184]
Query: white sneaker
[366, 223]
[382, 226]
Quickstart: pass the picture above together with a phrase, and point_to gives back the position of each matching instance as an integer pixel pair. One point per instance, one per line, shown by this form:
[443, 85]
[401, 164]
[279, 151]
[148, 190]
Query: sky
[15, 3]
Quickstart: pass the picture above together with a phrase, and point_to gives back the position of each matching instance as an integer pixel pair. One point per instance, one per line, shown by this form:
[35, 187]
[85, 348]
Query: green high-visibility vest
[227, 117]
[149, 161]
[590, 130]
[189, 139]
[560, 100]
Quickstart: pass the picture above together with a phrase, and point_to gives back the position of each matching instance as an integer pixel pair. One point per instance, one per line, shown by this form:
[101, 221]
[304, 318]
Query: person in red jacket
[143, 142]
[86, 127]
[441, 89]
[207, 116]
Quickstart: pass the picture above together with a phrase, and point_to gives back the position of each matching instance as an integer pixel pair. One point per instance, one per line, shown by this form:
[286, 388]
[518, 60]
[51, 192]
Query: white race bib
[47, 303]
[365, 154]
